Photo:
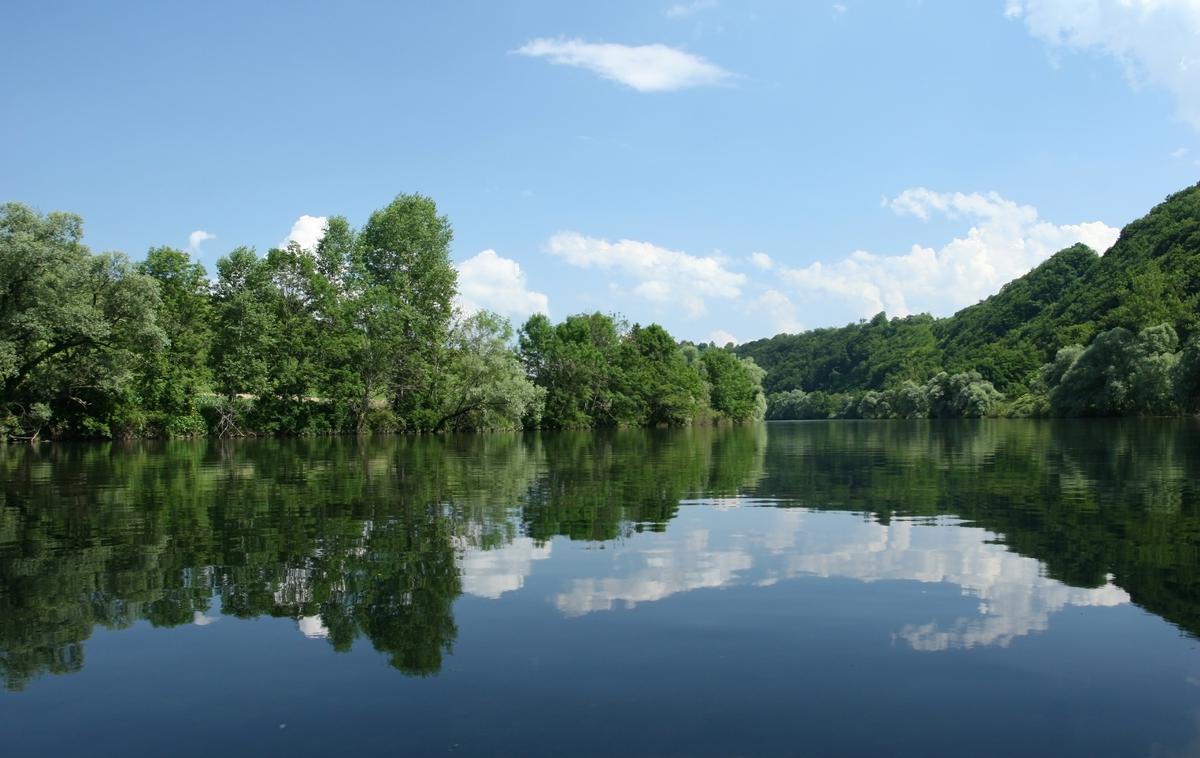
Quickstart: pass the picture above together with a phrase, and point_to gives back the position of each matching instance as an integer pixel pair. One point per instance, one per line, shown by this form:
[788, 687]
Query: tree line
[360, 334]
[1119, 374]
[1074, 300]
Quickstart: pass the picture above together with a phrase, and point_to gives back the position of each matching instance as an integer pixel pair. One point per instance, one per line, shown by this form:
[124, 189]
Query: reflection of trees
[1086, 498]
[602, 485]
[365, 539]
[364, 536]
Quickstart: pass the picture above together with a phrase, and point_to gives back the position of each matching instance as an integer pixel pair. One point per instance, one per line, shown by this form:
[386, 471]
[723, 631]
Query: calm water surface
[873, 588]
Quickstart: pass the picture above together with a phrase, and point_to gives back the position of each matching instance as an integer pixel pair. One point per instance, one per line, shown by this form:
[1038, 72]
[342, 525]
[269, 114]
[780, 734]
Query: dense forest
[1081, 334]
[360, 334]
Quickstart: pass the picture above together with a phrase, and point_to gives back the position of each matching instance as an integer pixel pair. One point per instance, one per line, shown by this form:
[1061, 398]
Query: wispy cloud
[683, 10]
[1157, 41]
[663, 276]
[645, 68]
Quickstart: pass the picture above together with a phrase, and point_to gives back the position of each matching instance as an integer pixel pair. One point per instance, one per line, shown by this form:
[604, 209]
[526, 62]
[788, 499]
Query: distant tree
[1187, 377]
[1119, 373]
[965, 395]
[735, 385]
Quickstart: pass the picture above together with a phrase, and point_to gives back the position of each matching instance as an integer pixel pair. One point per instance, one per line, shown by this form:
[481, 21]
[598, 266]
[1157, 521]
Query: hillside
[1150, 276]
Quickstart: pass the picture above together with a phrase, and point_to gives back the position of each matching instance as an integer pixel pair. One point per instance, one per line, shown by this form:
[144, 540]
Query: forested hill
[1151, 276]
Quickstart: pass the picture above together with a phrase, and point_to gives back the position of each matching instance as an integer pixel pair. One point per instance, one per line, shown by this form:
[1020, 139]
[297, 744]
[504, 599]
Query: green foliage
[172, 380]
[1118, 374]
[597, 372]
[356, 335]
[735, 385]
[965, 395]
[1187, 377]
[1151, 276]
[72, 327]
[407, 283]
[246, 327]
[484, 385]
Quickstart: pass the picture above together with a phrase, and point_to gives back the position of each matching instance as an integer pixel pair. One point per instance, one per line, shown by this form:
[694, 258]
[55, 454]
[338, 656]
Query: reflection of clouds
[199, 618]
[491, 573]
[676, 563]
[1016, 598]
[765, 545]
[312, 627]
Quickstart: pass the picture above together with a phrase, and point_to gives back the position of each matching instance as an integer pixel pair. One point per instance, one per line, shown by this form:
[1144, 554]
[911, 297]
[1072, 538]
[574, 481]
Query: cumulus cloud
[683, 10]
[762, 260]
[1157, 41]
[1005, 241]
[491, 281]
[645, 68]
[662, 275]
[778, 310]
[197, 237]
[306, 232]
[721, 338]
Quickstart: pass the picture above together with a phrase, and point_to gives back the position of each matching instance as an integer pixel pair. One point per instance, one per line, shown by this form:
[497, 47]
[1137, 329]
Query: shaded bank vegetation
[1081, 334]
[360, 334]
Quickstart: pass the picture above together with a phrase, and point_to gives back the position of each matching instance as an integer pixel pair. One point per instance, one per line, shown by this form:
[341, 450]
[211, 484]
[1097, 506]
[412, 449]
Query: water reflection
[1014, 596]
[377, 540]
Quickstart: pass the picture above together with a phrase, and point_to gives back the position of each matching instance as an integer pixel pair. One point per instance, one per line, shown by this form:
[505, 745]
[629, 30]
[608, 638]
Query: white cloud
[307, 232]
[312, 627]
[1157, 41]
[491, 573]
[646, 68]
[683, 10]
[490, 281]
[839, 8]
[197, 237]
[721, 338]
[199, 618]
[1006, 241]
[663, 276]
[762, 260]
[1180, 153]
[1014, 596]
[778, 310]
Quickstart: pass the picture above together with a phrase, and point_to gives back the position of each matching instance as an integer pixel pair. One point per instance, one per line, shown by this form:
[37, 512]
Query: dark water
[874, 588]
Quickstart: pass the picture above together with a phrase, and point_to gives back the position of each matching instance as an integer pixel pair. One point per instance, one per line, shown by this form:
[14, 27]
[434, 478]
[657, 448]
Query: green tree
[407, 286]
[1187, 377]
[484, 385]
[72, 326]
[735, 385]
[172, 380]
[656, 385]
[245, 330]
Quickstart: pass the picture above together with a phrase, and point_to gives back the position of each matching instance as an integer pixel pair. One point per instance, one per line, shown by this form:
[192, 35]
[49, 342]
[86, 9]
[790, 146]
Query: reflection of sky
[491, 573]
[725, 544]
[709, 548]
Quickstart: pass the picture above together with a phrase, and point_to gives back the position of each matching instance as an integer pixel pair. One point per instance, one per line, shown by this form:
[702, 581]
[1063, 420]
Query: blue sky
[728, 169]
